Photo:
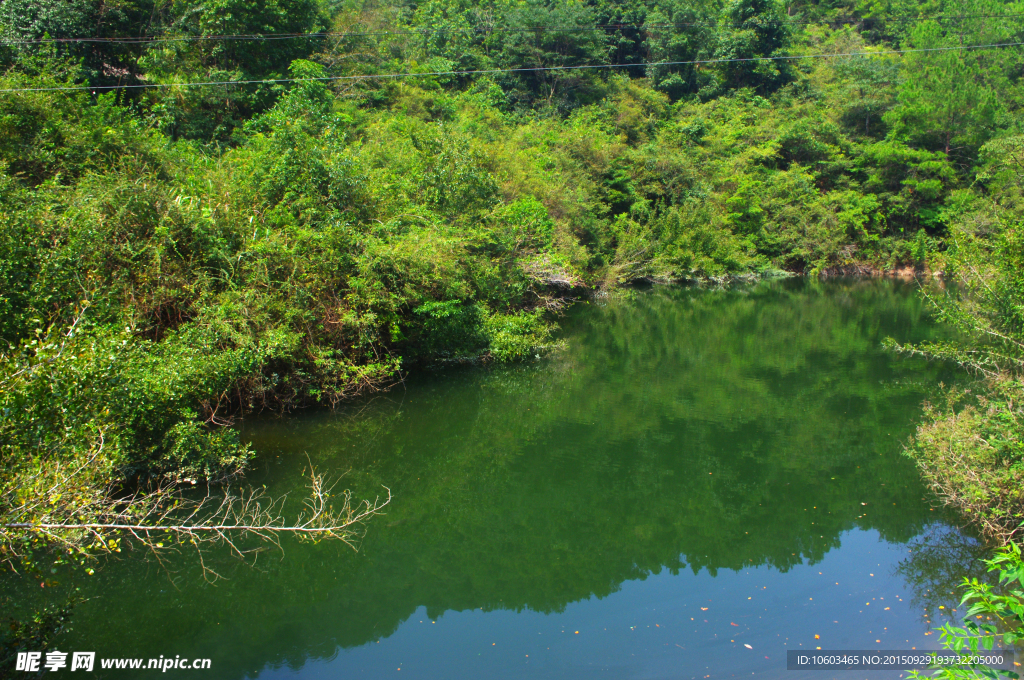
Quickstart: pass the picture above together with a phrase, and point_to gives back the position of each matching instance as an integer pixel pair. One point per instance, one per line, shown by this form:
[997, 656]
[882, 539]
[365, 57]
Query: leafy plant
[995, 615]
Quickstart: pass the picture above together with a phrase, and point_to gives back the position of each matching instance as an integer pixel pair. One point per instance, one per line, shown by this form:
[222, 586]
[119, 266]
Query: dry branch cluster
[61, 506]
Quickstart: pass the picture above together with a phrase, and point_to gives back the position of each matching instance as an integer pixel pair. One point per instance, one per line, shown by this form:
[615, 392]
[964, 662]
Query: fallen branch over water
[166, 517]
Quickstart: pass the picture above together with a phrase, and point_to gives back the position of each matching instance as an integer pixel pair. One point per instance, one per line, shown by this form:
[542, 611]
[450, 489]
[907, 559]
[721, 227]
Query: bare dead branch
[148, 517]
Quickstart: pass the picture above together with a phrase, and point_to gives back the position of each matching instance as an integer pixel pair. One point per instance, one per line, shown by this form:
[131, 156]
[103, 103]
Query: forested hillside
[213, 207]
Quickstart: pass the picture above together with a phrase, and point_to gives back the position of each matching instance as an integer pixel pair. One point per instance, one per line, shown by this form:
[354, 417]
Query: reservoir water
[697, 481]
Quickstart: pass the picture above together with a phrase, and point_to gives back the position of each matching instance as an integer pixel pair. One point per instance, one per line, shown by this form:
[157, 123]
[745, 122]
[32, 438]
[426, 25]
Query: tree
[867, 83]
[755, 30]
[951, 97]
[985, 305]
[546, 42]
[26, 22]
[194, 52]
[681, 32]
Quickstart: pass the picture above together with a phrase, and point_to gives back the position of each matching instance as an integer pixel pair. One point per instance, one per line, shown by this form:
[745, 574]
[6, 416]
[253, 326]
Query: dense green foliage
[994, 616]
[972, 453]
[971, 448]
[173, 255]
[36, 632]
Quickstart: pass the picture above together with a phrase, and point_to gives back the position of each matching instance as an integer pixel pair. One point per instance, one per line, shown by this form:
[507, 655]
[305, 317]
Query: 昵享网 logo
[35, 662]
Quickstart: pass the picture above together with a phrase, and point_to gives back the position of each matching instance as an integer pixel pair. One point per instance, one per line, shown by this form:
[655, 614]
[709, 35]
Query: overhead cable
[127, 40]
[536, 69]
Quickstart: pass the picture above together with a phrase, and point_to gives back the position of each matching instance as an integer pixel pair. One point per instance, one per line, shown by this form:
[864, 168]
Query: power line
[475, 30]
[383, 76]
[330, 34]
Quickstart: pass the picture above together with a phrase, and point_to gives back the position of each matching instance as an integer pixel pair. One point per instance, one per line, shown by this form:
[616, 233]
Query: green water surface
[698, 481]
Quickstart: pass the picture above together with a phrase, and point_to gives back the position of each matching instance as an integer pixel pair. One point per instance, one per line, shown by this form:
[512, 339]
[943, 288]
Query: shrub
[513, 337]
[972, 453]
[995, 614]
